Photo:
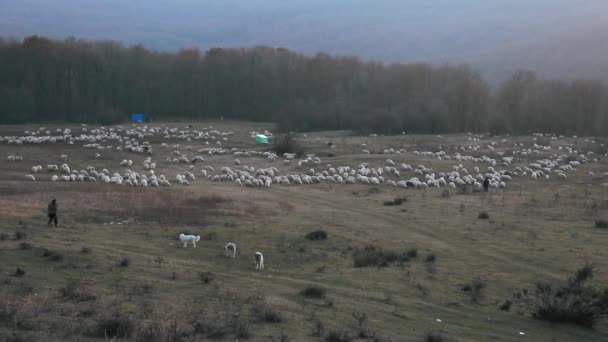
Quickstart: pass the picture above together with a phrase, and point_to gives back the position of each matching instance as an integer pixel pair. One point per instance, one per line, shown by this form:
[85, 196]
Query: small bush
[20, 272]
[52, 256]
[396, 201]
[373, 256]
[282, 337]
[575, 302]
[582, 275]
[85, 250]
[3, 237]
[287, 144]
[124, 262]
[313, 291]
[339, 336]
[317, 235]
[149, 331]
[72, 291]
[412, 253]
[113, 326]
[483, 215]
[430, 258]
[433, 337]
[505, 306]
[400, 200]
[262, 312]
[474, 289]
[317, 326]
[25, 245]
[20, 235]
[206, 277]
[601, 223]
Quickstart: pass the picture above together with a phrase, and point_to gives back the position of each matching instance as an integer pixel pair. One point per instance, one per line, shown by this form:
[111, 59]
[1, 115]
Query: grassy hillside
[77, 282]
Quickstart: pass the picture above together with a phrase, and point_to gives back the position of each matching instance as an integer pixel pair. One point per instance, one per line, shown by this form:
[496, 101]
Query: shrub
[313, 291]
[412, 253]
[72, 291]
[52, 256]
[222, 325]
[338, 336]
[287, 144]
[124, 262]
[396, 201]
[601, 223]
[400, 200]
[430, 258]
[574, 302]
[317, 235]
[483, 215]
[149, 331]
[582, 275]
[85, 250]
[206, 277]
[20, 272]
[25, 245]
[373, 256]
[474, 289]
[20, 235]
[505, 306]
[3, 236]
[262, 312]
[433, 337]
[114, 325]
[282, 337]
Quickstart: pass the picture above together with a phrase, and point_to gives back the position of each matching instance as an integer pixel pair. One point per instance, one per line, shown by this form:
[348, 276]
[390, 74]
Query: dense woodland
[43, 80]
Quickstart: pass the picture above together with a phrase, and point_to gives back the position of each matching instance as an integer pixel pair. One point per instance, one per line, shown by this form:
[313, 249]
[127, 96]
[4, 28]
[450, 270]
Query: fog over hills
[555, 38]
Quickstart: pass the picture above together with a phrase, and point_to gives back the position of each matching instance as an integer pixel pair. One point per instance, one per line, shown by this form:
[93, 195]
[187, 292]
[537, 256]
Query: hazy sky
[480, 32]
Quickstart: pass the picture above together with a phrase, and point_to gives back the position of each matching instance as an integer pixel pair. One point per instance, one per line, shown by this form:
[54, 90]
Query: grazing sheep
[230, 249]
[30, 177]
[259, 261]
[185, 238]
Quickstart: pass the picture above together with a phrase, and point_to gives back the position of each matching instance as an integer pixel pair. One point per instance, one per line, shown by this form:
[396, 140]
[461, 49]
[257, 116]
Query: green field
[541, 230]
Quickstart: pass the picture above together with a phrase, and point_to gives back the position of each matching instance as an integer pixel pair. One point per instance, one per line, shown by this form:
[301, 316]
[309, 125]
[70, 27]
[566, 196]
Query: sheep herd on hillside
[535, 161]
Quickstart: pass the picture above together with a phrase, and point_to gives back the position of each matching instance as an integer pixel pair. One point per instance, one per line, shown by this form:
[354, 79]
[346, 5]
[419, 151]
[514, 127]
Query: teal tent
[261, 139]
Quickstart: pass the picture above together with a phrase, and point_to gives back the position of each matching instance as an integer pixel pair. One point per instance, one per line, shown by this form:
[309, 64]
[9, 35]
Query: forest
[45, 81]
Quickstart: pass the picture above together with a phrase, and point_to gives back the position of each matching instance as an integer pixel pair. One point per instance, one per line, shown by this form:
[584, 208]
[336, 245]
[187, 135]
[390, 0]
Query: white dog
[185, 238]
[259, 261]
[230, 249]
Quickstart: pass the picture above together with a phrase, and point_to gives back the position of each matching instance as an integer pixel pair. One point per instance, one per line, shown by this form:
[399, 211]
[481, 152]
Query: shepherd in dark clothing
[486, 184]
[52, 212]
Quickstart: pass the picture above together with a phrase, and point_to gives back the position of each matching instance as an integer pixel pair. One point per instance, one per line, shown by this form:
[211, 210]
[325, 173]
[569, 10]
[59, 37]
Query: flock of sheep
[499, 169]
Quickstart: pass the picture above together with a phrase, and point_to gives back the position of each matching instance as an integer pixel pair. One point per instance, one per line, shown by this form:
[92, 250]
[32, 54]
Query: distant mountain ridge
[557, 38]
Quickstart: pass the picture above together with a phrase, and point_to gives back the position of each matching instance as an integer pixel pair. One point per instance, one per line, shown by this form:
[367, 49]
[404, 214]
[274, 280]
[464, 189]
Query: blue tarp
[137, 117]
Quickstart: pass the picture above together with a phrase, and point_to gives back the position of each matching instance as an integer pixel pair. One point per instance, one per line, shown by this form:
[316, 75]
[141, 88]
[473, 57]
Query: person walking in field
[52, 212]
[486, 184]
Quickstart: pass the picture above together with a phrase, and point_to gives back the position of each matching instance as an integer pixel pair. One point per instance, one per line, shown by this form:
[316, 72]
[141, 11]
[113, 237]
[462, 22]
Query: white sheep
[30, 177]
[259, 261]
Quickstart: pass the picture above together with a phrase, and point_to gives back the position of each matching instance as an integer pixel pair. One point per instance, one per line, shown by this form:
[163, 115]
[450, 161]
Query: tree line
[43, 80]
